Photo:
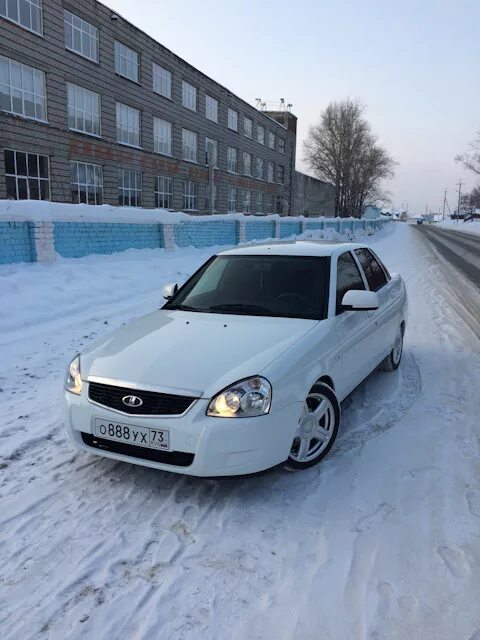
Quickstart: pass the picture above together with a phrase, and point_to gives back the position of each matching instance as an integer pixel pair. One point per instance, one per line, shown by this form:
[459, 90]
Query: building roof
[320, 248]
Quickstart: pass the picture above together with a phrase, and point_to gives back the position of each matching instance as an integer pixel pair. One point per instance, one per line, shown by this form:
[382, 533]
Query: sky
[414, 64]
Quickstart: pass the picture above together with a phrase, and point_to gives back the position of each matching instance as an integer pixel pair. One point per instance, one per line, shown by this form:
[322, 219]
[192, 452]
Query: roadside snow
[464, 227]
[379, 541]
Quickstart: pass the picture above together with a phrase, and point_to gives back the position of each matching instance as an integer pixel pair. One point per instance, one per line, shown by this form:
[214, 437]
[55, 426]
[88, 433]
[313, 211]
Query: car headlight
[73, 379]
[244, 399]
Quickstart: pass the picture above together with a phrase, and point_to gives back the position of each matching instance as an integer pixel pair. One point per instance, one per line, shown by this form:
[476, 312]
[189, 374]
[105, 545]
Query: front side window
[26, 13]
[22, 90]
[270, 172]
[87, 183]
[348, 277]
[83, 110]
[26, 176]
[271, 140]
[162, 136]
[247, 163]
[189, 145]
[246, 201]
[128, 125]
[190, 198]
[260, 168]
[211, 152]
[189, 96]
[232, 119]
[127, 62]
[163, 192]
[211, 108]
[281, 173]
[129, 188]
[259, 285]
[80, 36]
[232, 159]
[281, 145]
[232, 200]
[260, 134]
[162, 80]
[248, 127]
[374, 273]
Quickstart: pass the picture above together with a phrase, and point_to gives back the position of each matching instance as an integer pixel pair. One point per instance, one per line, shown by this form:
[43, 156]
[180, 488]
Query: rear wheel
[317, 428]
[392, 361]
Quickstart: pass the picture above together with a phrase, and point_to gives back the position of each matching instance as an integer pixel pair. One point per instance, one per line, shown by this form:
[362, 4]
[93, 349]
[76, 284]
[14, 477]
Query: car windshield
[258, 285]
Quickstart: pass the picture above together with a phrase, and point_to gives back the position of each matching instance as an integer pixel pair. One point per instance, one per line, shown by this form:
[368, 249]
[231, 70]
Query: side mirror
[360, 301]
[169, 290]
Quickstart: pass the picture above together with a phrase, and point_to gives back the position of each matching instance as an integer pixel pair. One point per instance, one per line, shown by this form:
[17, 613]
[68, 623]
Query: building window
[163, 192]
[270, 172]
[189, 96]
[269, 204]
[87, 183]
[211, 108]
[26, 13]
[279, 205]
[260, 168]
[189, 145]
[129, 188]
[246, 201]
[80, 36]
[162, 81]
[232, 200]
[189, 195]
[162, 136]
[26, 176]
[211, 146]
[127, 62]
[281, 145]
[128, 125]
[281, 173]
[247, 163]
[83, 110]
[271, 140]
[207, 198]
[259, 203]
[260, 134]
[247, 127]
[232, 119]
[231, 159]
[22, 89]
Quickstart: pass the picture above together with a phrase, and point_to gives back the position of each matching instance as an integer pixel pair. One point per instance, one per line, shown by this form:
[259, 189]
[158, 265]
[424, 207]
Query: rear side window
[348, 277]
[374, 273]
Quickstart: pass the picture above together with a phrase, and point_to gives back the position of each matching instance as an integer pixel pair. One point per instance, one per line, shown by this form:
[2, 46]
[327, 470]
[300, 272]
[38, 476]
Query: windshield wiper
[241, 308]
[185, 307]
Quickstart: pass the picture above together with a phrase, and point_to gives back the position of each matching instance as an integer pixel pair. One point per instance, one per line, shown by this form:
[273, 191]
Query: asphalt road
[456, 257]
[459, 248]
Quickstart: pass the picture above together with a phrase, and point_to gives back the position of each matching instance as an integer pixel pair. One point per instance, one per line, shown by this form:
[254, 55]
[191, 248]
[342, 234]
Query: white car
[246, 364]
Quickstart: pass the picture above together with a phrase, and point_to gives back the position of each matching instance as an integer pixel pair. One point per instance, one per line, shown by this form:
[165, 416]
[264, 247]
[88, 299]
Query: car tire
[392, 361]
[317, 428]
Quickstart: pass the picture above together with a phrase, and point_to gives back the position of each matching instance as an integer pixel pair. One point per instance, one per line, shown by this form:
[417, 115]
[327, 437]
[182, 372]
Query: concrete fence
[42, 240]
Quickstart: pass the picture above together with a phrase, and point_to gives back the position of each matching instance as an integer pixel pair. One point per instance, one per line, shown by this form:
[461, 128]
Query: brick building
[94, 110]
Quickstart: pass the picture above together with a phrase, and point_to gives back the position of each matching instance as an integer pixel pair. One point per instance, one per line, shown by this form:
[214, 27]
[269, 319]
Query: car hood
[194, 353]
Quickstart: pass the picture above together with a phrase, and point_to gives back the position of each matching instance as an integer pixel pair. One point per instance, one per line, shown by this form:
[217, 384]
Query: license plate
[129, 434]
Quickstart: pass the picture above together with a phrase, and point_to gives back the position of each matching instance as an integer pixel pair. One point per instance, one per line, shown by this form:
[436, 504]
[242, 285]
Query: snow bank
[464, 227]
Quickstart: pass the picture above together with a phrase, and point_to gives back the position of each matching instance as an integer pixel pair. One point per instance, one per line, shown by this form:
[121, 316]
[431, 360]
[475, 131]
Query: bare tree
[471, 160]
[471, 201]
[341, 149]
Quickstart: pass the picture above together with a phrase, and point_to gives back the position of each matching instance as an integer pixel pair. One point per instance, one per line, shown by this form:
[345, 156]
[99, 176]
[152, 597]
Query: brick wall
[205, 234]
[17, 242]
[259, 230]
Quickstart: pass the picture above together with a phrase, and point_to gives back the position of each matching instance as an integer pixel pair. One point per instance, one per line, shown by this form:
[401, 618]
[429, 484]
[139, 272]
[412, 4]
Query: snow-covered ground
[379, 541]
[465, 227]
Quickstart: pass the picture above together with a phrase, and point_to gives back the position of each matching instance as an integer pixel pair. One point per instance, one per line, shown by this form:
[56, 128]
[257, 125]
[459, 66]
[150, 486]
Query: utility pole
[459, 197]
[444, 202]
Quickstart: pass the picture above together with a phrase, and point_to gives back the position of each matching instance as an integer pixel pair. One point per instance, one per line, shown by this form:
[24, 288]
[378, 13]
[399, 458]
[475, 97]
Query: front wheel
[317, 428]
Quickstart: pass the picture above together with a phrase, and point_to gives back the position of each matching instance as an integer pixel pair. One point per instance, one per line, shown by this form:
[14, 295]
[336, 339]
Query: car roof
[321, 248]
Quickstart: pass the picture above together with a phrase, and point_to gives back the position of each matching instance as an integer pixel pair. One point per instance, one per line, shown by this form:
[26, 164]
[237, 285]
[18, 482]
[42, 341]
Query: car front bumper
[217, 446]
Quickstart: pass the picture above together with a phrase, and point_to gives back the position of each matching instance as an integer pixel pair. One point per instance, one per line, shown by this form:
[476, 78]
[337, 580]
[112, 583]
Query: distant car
[419, 220]
[246, 364]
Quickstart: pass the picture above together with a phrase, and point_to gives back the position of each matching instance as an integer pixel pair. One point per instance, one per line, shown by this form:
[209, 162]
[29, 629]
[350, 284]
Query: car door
[354, 329]
[386, 316]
